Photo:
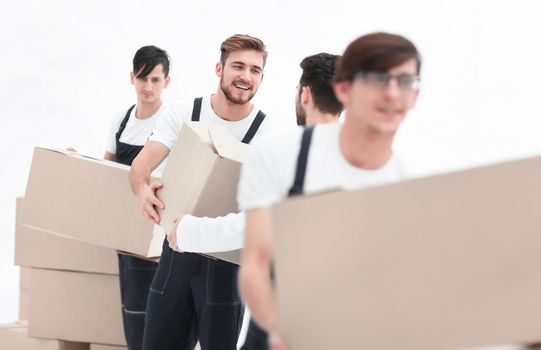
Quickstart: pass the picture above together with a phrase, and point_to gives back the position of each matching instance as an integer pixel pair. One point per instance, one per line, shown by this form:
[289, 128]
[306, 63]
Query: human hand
[148, 202]
[172, 236]
[276, 342]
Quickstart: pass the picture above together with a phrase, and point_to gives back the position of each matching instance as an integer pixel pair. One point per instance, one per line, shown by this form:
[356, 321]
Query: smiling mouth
[242, 87]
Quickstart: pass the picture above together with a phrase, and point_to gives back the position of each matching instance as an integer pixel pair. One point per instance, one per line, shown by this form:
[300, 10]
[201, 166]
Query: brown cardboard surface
[24, 278]
[15, 337]
[36, 248]
[86, 199]
[24, 302]
[24, 292]
[75, 306]
[106, 347]
[443, 262]
[201, 176]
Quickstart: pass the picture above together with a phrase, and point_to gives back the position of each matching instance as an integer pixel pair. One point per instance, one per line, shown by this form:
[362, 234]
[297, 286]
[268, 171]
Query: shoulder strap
[302, 162]
[254, 127]
[196, 111]
[123, 123]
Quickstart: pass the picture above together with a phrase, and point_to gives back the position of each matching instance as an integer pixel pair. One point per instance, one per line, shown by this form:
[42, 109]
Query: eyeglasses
[405, 82]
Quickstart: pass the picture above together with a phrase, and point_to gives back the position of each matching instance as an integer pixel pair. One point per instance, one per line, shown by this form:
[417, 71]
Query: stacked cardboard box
[69, 288]
[14, 337]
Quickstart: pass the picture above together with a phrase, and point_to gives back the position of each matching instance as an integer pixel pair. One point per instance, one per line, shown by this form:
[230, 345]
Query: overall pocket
[163, 273]
[222, 282]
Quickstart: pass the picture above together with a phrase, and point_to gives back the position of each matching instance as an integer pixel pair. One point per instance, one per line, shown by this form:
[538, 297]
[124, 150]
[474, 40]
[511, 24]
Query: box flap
[225, 144]
[200, 129]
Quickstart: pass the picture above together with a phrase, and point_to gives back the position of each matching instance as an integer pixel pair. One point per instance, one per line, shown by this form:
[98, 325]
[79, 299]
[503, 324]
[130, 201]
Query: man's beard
[301, 112]
[229, 95]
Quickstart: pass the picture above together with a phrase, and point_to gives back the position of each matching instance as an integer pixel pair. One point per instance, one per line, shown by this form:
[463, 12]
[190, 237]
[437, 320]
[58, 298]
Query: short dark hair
[147, 58]
[317, 73]
[376, 52]
[241, 42]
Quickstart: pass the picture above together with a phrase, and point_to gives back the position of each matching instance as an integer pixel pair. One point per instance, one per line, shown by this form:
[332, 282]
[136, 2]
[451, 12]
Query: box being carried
[202, 175]
[438, 263]
[87, 199]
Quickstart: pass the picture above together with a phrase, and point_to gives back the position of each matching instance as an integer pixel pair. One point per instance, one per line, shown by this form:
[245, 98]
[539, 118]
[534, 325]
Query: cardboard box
[14, 337]
[444, 262]
[202, 175]
[86, 199]
[75, 306]
[36, 248]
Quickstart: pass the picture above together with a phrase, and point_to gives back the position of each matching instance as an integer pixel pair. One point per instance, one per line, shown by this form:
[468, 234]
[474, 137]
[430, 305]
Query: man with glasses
[377, 81]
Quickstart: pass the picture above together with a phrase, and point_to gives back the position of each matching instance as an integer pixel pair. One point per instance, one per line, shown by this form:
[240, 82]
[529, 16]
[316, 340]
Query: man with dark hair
[190, 289]
[377, 81]
[316, 102]
[129, 132]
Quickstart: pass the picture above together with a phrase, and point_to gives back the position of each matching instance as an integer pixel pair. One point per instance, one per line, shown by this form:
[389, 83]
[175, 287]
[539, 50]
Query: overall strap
[302, 162]
[196, 111]
[123, 123]
[254, 127]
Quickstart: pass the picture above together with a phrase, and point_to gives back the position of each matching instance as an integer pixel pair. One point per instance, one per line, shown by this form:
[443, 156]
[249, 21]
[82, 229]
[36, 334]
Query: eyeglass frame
[384, 83]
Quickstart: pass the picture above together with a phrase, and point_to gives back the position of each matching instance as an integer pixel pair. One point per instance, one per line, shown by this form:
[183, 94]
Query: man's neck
[363, 147]
[228, 110]
[147, 110]
[317, 117]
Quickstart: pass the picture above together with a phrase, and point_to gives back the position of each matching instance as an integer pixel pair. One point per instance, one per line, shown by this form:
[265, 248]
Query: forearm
[258, 294]
[207, 235]
[139, 176]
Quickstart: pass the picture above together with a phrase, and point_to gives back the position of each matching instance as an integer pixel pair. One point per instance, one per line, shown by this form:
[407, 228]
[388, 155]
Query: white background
[65, 72]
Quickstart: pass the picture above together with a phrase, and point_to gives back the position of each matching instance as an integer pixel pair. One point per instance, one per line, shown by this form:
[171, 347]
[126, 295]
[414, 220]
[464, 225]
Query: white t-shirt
[202, 234]
[173, 117]
[136, 132]
[268, 173]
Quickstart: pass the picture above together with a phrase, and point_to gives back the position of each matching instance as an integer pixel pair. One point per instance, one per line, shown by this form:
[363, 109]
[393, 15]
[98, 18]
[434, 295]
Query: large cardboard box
[14, 336]
[443, 262]
[202, 175]
[36, 248]
[75, 306]
[87, 199]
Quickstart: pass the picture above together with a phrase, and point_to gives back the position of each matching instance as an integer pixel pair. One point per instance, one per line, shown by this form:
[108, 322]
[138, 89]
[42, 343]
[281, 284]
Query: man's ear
[167, 80]
[306, 94]
[219, 69]
[341, 90]
[132, 78]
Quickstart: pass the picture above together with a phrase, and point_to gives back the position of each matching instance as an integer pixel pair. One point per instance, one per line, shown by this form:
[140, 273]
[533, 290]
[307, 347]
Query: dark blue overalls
[256, 338]
[194, 296]
[135, 274]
